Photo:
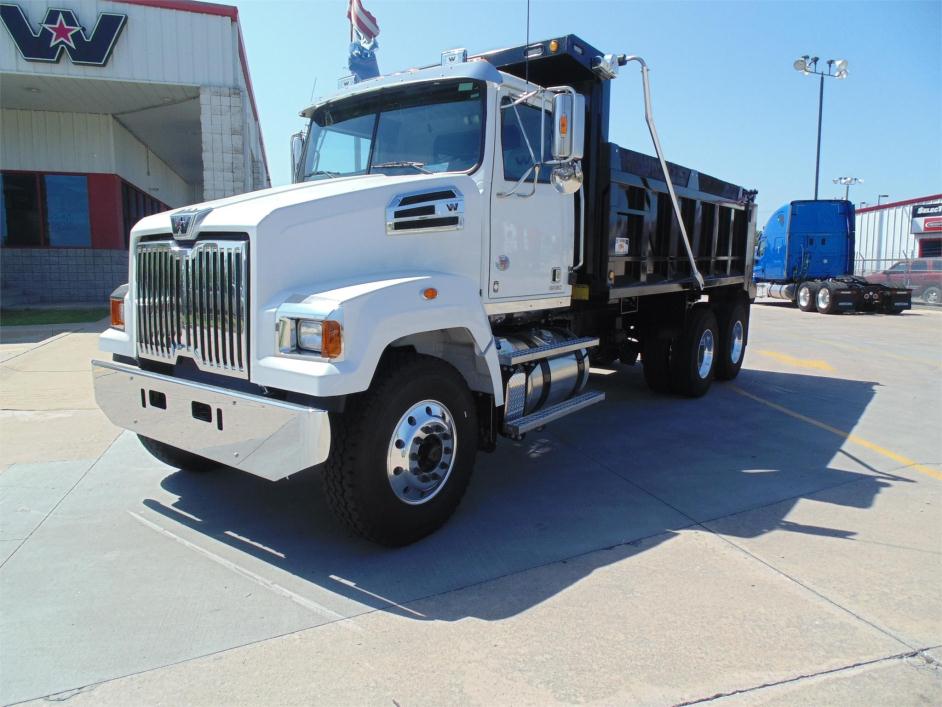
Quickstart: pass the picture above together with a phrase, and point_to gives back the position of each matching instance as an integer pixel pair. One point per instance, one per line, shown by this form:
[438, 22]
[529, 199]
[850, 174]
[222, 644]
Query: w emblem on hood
[180, 224]
[61, 30]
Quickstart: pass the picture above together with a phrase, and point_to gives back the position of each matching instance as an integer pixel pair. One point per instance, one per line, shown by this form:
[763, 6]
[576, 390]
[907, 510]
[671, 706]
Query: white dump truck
[459, 242]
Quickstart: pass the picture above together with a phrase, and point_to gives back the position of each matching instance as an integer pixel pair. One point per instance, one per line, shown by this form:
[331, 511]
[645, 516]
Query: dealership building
[110, 111]
[898, 230]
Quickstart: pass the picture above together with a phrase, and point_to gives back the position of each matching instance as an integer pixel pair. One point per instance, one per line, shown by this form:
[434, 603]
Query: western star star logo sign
[61, 31]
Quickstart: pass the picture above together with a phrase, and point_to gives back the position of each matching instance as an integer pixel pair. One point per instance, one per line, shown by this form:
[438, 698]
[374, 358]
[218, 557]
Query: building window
[137, 204]
[930, 247]
[67, 222]
[20, 212]
[39, 210]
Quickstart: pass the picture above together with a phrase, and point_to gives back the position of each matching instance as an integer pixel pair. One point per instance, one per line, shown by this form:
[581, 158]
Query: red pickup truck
[922, 275]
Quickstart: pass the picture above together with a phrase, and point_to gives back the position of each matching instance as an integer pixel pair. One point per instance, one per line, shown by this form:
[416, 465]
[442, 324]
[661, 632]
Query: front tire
[402, 452]
[181, 459]
[932, 295]
[693, 358]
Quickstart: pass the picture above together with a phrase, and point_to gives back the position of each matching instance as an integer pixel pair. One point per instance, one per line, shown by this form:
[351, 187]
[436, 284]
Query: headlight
[310, 335]
[322, 337]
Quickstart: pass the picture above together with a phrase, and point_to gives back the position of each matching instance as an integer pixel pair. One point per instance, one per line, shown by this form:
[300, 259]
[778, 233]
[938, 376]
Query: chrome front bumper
[265, 437]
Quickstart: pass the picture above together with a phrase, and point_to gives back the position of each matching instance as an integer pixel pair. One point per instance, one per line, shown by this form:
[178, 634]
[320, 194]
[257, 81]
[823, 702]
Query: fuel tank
[545, 381]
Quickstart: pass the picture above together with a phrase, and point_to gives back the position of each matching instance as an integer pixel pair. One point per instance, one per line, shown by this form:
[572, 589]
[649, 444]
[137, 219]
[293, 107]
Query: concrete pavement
[776, 542]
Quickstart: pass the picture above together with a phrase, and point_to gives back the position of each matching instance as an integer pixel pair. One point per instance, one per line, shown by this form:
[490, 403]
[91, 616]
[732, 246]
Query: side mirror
[297, 153]
[568, 127]
[567, 178]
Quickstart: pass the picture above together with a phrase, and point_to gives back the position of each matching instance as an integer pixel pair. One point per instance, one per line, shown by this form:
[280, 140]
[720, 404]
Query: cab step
[522, 425]
[514, 357]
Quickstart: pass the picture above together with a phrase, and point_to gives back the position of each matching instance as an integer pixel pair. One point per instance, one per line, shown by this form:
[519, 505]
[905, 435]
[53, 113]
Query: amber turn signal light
[117, 313]
[331, 339]
[430, 293]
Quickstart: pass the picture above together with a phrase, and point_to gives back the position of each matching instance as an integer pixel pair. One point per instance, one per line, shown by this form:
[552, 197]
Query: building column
[222, 120]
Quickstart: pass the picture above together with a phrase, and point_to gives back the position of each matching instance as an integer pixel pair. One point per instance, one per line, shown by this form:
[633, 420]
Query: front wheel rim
[824, 298]
[421, 452]
[736, 345]
[932, 296]
[705, 354]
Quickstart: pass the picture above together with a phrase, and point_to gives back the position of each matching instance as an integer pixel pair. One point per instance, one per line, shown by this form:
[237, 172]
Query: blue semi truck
[806, 255]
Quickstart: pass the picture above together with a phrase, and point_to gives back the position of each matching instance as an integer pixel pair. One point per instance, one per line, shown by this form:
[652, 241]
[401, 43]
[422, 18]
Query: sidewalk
[47, 406]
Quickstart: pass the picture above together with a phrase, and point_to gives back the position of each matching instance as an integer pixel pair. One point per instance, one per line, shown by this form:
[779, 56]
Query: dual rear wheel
[711, 345]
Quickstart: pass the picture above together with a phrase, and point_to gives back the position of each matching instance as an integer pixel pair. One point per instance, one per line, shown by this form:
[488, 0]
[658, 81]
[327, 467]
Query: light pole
[837, 69]
[882, 196]
[847, 182]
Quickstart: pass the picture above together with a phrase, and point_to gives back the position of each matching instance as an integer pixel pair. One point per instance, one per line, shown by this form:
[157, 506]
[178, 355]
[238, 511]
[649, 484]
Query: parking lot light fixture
[847, 183]
[836, 69]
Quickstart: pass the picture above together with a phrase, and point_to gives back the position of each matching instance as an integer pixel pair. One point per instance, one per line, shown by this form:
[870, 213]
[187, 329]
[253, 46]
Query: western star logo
[61, 31]
[180, 224]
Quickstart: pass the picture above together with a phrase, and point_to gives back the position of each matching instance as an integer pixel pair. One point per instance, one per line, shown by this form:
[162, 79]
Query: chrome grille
[193, 301]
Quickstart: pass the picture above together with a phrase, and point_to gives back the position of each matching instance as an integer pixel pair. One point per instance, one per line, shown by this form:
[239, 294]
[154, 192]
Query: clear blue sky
[726, 98]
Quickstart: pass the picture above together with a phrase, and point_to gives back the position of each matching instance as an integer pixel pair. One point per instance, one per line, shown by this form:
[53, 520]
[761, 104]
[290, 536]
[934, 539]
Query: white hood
[243, 212]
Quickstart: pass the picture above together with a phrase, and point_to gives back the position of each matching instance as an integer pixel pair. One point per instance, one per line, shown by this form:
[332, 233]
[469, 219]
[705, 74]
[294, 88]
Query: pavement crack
[67, 695]
[808, 676]
[46, 342]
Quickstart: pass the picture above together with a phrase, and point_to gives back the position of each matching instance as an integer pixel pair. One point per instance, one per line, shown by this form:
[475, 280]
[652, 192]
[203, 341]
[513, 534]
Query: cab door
[531, 229]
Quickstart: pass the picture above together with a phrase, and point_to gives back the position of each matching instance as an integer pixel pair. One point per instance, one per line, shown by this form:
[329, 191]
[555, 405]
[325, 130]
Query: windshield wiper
[318, 172]
[418, 166]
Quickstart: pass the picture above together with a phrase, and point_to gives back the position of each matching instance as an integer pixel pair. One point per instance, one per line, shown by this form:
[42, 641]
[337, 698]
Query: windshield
[435, 127]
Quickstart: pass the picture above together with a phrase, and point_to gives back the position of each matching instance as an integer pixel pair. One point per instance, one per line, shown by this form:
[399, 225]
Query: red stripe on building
[893, 204]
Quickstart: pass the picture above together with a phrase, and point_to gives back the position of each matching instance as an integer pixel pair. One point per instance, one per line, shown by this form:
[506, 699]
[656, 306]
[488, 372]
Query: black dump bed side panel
[637, 244]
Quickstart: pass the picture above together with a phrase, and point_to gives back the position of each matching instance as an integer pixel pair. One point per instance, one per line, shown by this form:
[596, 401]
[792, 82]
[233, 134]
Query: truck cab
[806, 255]
[490, 136]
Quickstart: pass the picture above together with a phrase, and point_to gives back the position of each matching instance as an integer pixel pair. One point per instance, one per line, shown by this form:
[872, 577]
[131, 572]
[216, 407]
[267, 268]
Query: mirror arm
[535, 167]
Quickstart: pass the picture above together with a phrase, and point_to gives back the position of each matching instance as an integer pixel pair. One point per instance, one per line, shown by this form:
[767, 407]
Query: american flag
[362, 20]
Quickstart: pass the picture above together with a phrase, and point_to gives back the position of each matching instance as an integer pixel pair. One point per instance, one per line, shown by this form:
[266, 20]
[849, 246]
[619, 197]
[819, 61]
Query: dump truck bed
[638, 244]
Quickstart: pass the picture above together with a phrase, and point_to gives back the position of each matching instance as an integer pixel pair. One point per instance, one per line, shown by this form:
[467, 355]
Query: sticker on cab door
[621, 246]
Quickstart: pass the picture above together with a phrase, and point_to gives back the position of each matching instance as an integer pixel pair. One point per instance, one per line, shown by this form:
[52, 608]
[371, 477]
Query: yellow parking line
[871, 351]
[816, 364]
[860, 441]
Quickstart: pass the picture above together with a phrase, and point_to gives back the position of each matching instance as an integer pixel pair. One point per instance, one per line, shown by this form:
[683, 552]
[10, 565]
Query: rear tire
[402, 453]
[693, 358]
[655, 362]
[179, 458]
[824, 300]
[733, 325]
[805, 297]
